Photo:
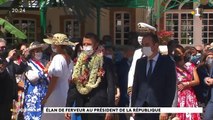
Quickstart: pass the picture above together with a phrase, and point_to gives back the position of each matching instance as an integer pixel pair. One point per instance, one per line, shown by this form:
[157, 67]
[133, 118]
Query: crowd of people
[53, 74]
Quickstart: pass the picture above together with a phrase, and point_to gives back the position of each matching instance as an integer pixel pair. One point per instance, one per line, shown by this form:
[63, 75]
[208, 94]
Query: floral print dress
[35, 89]
[186, 97]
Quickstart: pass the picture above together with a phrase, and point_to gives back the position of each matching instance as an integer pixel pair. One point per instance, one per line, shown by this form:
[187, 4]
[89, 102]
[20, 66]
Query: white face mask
[209, 61]
[87, 48]
[140, 39]
[78, 54]
[147, 51]
[109, 56]
[53, 49]
[38, 55]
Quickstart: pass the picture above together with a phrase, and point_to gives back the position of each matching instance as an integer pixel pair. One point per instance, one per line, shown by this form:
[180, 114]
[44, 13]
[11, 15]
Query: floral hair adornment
[164, 36]
[164, 33]
[88, 71]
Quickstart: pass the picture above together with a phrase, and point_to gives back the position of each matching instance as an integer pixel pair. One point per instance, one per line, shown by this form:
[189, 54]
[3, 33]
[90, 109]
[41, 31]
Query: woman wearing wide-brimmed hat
[36, 82]
[60, 72]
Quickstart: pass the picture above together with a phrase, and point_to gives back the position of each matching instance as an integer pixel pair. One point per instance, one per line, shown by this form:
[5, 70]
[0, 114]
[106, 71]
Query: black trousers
[147, 116]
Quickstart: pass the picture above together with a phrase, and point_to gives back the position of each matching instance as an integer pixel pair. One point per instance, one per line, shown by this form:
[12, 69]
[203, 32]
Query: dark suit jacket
[6, 88]
[202, 90]
[211, 88]
[159, 91]
[103, 95]
[122, 68]
[15, 69]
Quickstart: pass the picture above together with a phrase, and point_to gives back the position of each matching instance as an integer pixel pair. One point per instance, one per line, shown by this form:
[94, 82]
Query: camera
[2, 64]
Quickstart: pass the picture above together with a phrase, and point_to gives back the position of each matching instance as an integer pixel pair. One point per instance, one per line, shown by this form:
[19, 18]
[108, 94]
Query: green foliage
[12, 29]
[174, 4]
[2, 1]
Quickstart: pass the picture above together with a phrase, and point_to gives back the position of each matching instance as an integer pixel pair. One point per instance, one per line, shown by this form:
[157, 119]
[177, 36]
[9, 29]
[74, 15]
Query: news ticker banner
[123, 110]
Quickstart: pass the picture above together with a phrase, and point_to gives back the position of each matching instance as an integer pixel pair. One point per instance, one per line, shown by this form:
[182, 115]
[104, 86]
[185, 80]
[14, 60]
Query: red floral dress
[186, 97]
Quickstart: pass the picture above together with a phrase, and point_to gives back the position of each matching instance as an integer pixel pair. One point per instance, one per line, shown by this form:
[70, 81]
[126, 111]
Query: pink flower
[101, 72]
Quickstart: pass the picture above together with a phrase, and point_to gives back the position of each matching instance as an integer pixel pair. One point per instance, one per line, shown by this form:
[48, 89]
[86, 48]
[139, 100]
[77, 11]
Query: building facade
[191, 23]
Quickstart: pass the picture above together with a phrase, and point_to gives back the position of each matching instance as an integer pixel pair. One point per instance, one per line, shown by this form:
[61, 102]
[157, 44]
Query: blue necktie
[150, 69]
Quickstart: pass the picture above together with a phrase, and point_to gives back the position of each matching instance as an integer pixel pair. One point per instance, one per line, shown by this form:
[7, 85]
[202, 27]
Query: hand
[67, 116]
[117, 99]
[172, 116]
[132, 116]
[21, 84]
[48, 65]
[208, 81]
[45, 70]
[163, 116]
[25, 53]
[181, 86]
[11, 54]
[108, 116]
[129, 91]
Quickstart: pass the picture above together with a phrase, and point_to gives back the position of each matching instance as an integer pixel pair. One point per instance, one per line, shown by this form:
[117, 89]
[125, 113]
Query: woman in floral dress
[187, 78]
[36, 82]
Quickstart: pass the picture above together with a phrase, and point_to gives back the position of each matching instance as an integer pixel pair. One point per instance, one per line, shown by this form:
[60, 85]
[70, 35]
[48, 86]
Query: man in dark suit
[122, 68]
[91, 92]
[154, 81]
[208, 115]
[8, 88]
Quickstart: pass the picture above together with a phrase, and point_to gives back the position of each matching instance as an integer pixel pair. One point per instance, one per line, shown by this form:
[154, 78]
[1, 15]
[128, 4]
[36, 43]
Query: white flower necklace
[88, 71]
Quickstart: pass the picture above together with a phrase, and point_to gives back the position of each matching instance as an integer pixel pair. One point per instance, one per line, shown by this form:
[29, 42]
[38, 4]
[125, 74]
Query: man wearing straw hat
[60, 72]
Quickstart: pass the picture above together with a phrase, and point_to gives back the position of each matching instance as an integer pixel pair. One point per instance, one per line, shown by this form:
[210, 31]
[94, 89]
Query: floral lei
[88, 71]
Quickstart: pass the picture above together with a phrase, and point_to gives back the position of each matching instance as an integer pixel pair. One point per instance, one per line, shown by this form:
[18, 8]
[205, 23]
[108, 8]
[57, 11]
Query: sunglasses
[2, 47]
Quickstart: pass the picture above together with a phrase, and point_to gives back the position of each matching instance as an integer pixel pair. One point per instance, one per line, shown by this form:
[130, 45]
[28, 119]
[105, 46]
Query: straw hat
[59, 39]
[144, 27]
[35, 45]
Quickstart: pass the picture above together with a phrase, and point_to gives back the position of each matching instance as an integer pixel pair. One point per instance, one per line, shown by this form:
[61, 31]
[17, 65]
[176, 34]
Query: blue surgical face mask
[209, 61]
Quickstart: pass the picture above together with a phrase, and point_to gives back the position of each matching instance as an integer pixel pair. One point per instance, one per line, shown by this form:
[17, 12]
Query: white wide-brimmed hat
[35, 45]
[144, 27]
[59, 39]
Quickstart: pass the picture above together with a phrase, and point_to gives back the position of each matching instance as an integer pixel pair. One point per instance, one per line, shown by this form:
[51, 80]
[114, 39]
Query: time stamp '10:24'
[18, 10]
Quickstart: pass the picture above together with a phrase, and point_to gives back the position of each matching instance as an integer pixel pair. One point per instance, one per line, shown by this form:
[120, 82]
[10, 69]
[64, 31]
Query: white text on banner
[123, 110]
